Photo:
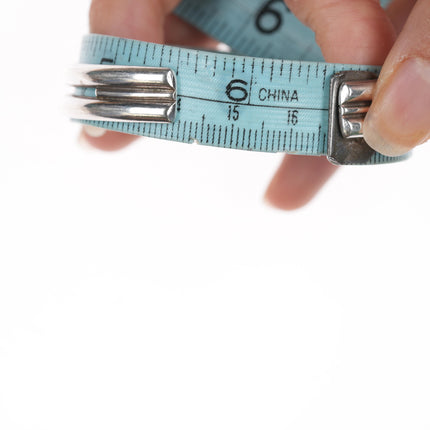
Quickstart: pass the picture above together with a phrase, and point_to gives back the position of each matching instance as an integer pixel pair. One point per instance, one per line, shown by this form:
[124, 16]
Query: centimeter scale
[280, 97]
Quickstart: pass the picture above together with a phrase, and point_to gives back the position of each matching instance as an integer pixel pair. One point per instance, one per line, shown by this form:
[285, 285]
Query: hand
[348, 31]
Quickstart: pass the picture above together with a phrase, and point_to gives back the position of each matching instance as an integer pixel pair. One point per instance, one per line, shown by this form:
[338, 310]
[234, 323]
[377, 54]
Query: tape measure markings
[131, 52]
[128, 52]
[230, 100]
[241, 26]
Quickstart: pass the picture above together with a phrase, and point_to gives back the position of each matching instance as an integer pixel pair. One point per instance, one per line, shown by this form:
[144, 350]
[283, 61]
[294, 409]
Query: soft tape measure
[243, 102]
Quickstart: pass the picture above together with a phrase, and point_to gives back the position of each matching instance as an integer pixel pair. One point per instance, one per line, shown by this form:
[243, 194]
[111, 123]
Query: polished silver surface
[135, 96]
[349, 109]
[354, 100]
[93, 109]
[94, 75]
[120, 93]
[356, 91]
[350, 98]
[352, 126]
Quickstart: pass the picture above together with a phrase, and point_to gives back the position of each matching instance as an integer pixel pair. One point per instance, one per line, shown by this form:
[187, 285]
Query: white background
[153, 289]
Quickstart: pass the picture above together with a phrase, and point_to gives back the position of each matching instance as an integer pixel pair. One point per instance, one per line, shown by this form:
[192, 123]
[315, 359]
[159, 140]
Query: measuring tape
[226, 100]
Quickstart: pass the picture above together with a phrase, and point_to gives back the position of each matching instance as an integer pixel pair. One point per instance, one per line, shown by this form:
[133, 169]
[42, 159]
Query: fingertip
[297, 181]
[283, 203]
[380, 143]
[398, 119]
[105, 140]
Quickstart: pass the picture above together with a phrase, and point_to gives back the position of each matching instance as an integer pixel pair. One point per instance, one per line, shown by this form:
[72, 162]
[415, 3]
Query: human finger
[398, 12]
[356, 32]
[297, 181]
[399, 117]
[180, 33]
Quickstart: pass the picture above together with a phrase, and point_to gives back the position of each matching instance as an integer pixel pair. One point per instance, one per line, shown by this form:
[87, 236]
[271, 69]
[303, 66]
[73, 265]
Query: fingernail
[93, 131]
[399, 117]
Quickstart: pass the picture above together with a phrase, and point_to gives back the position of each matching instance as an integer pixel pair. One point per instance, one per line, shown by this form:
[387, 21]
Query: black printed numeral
[236, 90]
[293, 117]
[233, 113]
[269, 19]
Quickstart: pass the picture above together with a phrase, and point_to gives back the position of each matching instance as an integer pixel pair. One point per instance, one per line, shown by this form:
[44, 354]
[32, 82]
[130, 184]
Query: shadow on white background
[152, 288]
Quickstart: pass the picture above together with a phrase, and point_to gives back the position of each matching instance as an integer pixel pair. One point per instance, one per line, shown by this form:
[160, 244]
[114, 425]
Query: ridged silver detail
[122, 93]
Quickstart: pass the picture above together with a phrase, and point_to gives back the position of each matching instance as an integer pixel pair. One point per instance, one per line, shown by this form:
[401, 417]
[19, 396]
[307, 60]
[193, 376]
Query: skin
[372, 35]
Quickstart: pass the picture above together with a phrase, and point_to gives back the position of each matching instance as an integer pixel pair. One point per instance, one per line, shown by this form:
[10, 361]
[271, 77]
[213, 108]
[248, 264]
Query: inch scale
[226, 100]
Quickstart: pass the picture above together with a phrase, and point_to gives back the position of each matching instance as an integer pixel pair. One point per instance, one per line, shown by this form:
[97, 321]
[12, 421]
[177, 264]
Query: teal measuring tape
[260, 28]
[227, 100]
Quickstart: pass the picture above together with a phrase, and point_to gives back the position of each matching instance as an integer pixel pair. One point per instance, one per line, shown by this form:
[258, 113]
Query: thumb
[399, 117]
